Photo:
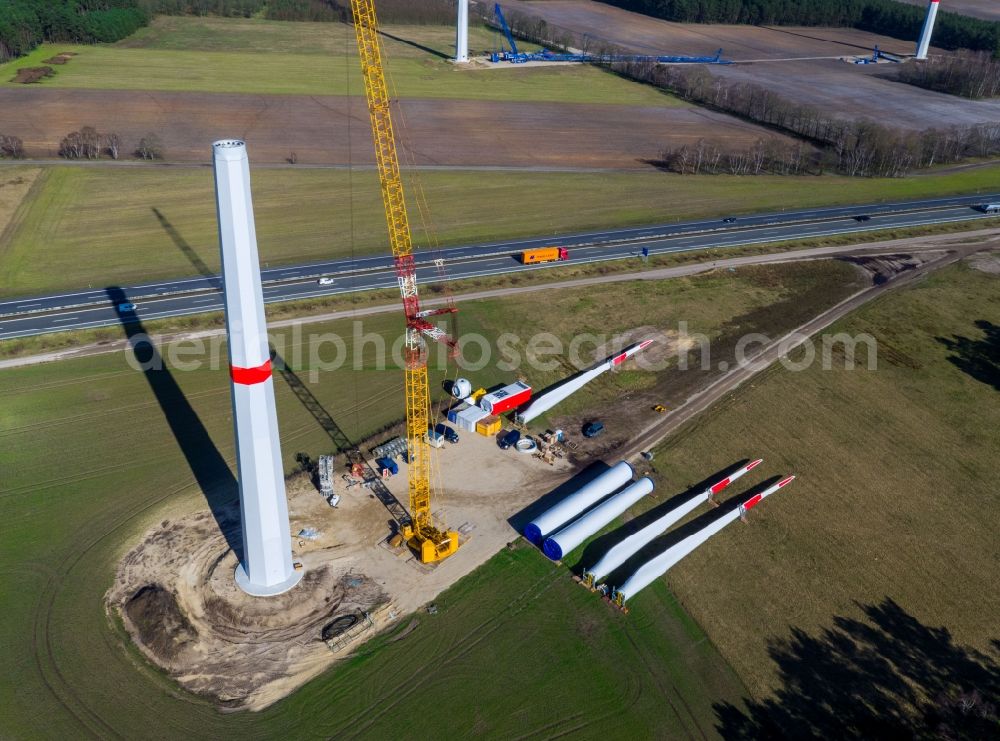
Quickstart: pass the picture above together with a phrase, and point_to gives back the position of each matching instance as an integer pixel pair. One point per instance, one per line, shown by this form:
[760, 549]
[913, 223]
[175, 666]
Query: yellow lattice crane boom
[431, 542]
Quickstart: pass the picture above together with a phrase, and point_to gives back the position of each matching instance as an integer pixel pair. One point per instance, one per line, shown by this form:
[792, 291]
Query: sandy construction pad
[176, 594]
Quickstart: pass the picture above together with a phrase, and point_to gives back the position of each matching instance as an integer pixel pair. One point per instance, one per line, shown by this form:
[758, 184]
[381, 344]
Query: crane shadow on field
[344, 444]
[210, 469]
[880, 674]
[600, 545]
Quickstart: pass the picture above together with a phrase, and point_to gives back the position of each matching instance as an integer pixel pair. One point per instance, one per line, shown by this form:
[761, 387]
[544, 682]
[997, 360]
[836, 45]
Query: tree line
[972, 74]
[88, 143]
[24, 24]
[764, 156]
[858, 148]
[226, 8]
[887, 17]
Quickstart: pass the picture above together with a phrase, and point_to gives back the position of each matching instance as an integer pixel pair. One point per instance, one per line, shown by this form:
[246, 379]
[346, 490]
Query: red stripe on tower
[250, 376]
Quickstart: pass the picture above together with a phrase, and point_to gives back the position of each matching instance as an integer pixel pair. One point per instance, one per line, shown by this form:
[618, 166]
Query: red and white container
[505, 399]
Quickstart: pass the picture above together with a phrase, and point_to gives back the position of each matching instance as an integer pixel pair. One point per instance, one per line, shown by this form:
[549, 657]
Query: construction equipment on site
[660, 409]
[326, 474]
[579, 501]
[574, 534]
[657, 567]
[431, 542]
[629, 546]
[392, 449]
[544, 401]
[515, 56]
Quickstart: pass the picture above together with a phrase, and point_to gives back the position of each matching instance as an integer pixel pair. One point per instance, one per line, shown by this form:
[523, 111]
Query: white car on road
[325, 281]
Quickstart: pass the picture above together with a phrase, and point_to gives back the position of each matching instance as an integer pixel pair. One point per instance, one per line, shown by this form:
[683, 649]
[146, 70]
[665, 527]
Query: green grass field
[89, 462]
[257, 36]
[256, 56]
[895, 499]
[100, 226]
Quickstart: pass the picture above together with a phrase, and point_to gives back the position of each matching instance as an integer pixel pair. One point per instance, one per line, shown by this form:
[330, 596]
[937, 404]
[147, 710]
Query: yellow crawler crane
[431, 542]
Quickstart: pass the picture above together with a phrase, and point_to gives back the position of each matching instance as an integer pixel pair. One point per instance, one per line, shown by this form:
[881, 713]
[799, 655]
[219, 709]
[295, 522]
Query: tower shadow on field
[210, 469]
[187, 250]
[414, 44]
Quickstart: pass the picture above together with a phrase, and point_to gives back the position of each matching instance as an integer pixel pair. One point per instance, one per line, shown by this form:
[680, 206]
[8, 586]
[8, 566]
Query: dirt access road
[801, 64]
[703, 399]
[335, 130]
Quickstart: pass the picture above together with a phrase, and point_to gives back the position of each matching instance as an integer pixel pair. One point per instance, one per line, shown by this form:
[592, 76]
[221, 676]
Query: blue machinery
[518, 57]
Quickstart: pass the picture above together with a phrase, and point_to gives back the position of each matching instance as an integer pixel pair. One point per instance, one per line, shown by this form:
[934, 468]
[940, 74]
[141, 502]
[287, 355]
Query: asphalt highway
[22, 317]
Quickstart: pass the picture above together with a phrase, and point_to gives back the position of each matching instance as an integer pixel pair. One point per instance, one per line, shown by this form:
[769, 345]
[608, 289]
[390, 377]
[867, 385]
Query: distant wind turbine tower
[462, 33]
[266, 566]
[925, 36]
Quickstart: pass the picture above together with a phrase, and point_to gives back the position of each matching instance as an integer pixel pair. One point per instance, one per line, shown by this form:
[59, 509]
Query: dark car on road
[729, 220]
[862, 217]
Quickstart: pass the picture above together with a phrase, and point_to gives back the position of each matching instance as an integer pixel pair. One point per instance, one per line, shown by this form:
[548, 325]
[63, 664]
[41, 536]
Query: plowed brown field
[739, 43]
[334, 130]
[803, 64]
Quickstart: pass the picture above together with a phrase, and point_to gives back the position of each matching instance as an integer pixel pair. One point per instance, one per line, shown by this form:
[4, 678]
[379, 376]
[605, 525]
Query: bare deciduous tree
[71, 147]
[150, 148]
[91, 141]
[11, 146]
[112, 144]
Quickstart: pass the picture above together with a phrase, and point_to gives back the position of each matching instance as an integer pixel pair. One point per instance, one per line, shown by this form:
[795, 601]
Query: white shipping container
[467, 418]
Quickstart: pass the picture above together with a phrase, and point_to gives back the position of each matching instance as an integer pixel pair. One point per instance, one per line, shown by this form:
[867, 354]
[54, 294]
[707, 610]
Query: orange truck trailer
[544, 254]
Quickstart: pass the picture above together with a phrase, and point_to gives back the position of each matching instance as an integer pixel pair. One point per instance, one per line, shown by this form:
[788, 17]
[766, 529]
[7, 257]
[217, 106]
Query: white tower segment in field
[462, 33]
[925, 36]
[266, 566]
